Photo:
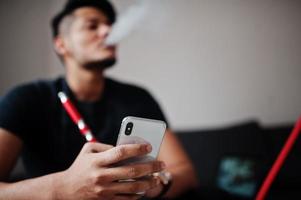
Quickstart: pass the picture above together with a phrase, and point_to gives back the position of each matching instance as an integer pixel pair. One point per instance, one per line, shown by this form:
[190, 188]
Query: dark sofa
[232, 161]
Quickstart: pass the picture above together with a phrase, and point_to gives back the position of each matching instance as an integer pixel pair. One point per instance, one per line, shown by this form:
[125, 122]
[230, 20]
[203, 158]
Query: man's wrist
[44, 187]
[58, 186]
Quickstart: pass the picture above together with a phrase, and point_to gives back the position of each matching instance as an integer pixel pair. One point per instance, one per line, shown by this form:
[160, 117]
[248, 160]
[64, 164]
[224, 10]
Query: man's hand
[92, 176]
[154, 192]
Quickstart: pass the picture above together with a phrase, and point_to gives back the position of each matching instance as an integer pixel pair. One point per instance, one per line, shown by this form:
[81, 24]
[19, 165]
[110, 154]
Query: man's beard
[100, 64]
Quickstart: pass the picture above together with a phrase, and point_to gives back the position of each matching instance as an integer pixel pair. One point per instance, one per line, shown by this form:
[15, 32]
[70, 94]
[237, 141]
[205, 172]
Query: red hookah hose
[279, 161]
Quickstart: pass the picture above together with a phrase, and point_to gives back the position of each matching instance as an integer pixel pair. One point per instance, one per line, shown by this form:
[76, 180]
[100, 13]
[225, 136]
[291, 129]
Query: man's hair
[103, 5]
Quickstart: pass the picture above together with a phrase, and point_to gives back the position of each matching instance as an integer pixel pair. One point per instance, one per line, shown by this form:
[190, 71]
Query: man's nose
[104, 30]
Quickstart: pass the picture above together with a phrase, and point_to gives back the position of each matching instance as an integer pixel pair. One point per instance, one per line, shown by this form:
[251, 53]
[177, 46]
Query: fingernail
[148, 148]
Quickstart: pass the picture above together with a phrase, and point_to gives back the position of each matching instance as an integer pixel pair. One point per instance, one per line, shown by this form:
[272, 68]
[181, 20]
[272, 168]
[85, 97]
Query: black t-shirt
[51, 140]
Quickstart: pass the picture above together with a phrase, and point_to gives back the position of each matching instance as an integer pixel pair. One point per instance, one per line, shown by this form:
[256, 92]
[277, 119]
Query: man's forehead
[86, 13]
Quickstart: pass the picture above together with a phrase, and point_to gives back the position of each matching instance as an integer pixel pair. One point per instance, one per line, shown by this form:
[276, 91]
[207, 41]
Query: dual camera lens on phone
[129, 128]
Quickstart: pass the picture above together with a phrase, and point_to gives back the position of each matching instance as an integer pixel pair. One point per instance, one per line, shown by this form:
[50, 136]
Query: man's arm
[177, 162]
[10, 147]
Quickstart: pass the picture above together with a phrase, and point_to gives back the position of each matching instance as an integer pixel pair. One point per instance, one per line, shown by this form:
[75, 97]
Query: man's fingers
[95, 147]
[123, 152]
[133, 187]
[134, 170]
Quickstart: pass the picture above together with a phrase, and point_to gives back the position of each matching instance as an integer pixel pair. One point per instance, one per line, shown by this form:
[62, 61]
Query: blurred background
[208, 62]
[227, 74]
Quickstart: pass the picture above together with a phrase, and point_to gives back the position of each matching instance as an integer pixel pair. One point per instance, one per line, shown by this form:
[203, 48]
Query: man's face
[84, 39]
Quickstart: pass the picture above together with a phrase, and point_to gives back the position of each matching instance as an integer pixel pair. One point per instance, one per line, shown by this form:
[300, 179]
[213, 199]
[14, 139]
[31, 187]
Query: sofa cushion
[209, 149]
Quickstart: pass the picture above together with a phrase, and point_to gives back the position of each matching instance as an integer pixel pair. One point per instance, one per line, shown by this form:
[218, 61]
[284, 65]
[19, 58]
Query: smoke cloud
[128, 21]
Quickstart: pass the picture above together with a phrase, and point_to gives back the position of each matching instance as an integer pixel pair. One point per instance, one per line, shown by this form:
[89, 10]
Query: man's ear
[60, 46]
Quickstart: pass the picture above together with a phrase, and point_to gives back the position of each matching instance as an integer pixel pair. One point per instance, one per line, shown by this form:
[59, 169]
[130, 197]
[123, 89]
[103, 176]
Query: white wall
[208, 62]
[24, 41]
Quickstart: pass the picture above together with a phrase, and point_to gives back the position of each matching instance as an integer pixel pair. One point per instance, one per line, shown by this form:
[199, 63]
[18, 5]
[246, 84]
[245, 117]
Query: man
[58, 162]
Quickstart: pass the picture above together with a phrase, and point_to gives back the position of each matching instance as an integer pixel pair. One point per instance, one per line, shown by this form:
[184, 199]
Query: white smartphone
[135, 130]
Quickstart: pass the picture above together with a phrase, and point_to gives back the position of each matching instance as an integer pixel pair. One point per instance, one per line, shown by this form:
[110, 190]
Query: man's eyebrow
[92, 19]
[96, 20]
